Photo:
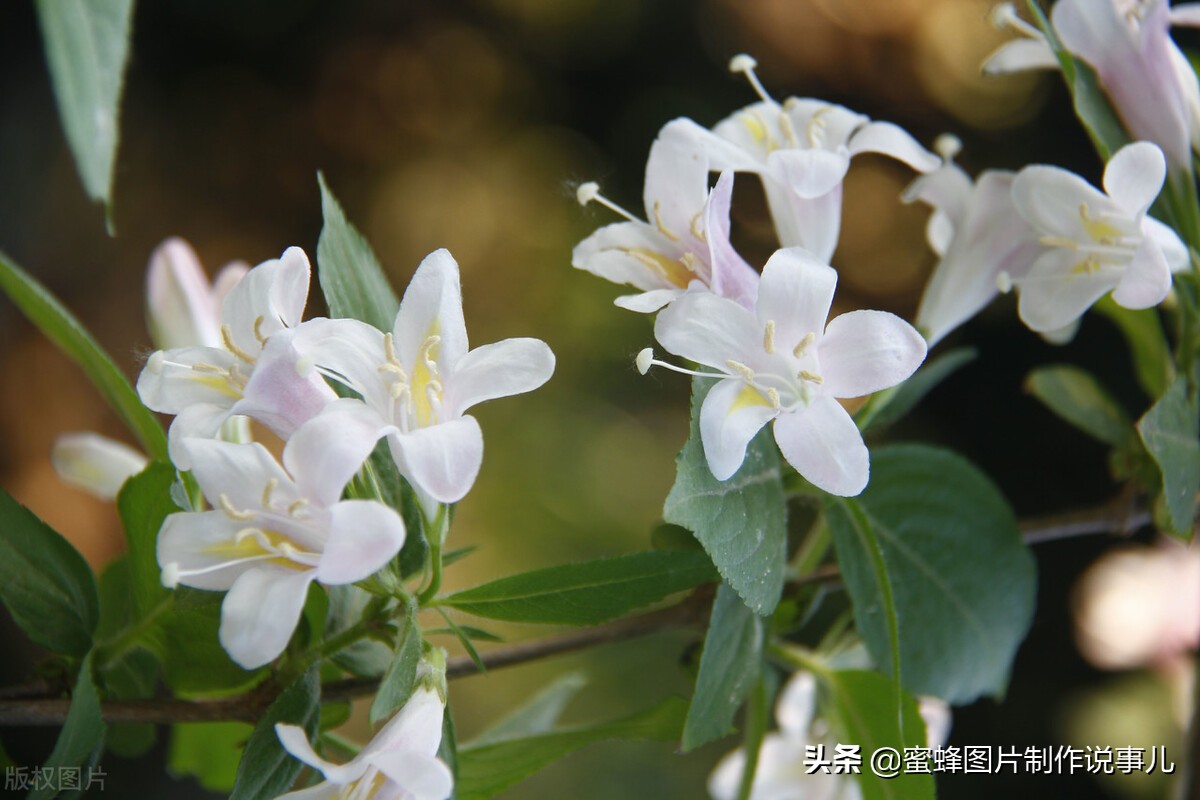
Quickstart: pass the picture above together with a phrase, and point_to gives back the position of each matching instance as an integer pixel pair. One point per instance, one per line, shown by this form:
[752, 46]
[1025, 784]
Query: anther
[231, 512]
[590, 193]
[232, 346]
[745, 64]
[267, 491]
[789, 131]
[658, 222]
[697, 227]
[258, 334]
[816, 127]
[769, 337]
[812, 377]
[773, 397]
[808, 339]
[690, 262]
[741, 369]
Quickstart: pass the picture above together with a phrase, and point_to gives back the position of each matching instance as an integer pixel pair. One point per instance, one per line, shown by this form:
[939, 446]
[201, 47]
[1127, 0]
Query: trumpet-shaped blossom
[252, 373]
[95, 463]
[273, 532]
[182, 308]
[686, 244]
[418, 380]
[801, 149]
[980, 238]
[400, 763]
[1097, 241]
[782, 363]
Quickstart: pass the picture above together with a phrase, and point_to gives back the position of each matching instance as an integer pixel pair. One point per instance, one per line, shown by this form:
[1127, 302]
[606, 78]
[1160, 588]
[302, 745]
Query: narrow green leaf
[887, 406]
[401, 676]
[961, 579]
[44, 582]
[61, 327]
[1077, 397]
[266, 769]
[208, 752]
[729, 665]
[1170, 430]
[487, 769]
[351, 279]
[742, 522]
[862, 712]
[1143, 333]
[538, 715]
[464, 640]
[144, 503]
[82, 734]
[587, 593]
[86, 48]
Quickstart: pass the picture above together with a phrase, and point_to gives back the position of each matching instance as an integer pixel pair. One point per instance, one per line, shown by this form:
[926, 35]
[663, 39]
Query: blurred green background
[467, 125]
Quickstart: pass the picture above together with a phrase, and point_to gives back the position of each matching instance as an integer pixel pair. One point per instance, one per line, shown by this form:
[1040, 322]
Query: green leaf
[1143, 332]
[729, 665]
[61, 328]
[887, 406]
[401, 676]
[44, 582]
[86, 48]
[587, 593]
[82, 734]
[1170, 430]
[351, 279]
[144, 503]
[742, 522]
[266, 769]
[487, 769]
[367, 658]
[862, 712]
[538, 715]
[208, 752]
[1077, 397]
[193, 661]
[953, 561]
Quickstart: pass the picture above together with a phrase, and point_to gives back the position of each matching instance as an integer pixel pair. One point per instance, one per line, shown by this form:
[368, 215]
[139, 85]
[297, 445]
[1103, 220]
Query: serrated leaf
[742, 522]
[887, 406]
[61, 328]
[863, 712]
[45, 583]
[82, 734]
[87, 44]
[487, 769]
[266, 769]
[729, 664]
[1170, 430]
[401, 676]
[538, 715]
[587, 593]
[351, 279]
[1078, 398]
[960, 577]
[208, 752]
[144, 503]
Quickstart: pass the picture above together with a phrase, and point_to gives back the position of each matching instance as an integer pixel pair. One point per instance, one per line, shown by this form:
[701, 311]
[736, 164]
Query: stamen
[590, 193]
[212, 369]
[267, 491]
[397, 390]
[1005, 16]
[741, 369]
[773, 397]
[389, 350]
[231, 345]
[745, 64]
[697, 227]
[258, 321]
[1058, 241]
[296, 507]
[769, 337]
[808, 339]
[658, 222]
[789, 131]
[231, 512]
[812, 377]
[690, 262]
[817, 126]
[645, 359]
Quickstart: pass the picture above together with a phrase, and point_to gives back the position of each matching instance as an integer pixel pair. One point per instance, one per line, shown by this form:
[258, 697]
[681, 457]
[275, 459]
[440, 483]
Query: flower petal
[179, 299]
[1055, 294]
[1174, 250]
[432, 306]
[813, 224]
[422, 777]
[633, 253]
[795, 292]
[824, 445]
[647, 302]
[442, 459]
[732, 413]
[237, 471]
[277, 395]
[707, 329]
[1049, 198]
[890, 139]
[1147, 279]
[325, 790]
[364, 535]
[731, 276]
[501, 369]
[416, 727]
[201, 421]
[201, 540]
[261, 611]
[326, 452]
[1134, 176]
[866, 351]
[350, 349]
[172, 380]
[809, 173]
[295, 741]
[1019, 55]
[268, 299]
[797, 702]
[676, 185]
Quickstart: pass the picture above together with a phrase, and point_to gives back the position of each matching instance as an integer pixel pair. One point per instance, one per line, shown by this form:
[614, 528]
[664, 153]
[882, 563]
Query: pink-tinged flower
[782, 363]
[251, 373]
[686, 243]
[981, 241]
[95, 463]
[182, 308]
[400, 763]
[801, 149]
[418, 381]
[273, 532]
[1097, 241]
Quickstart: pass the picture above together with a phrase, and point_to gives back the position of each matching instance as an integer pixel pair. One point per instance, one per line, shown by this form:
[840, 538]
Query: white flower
[274, 532]
[182, 308]
[686, 244]
[95, 463]
[400, 763]
[252, 372]
[781, 362]
[418, 381]
[1098, 242]
[801, 150]
[980, 238]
